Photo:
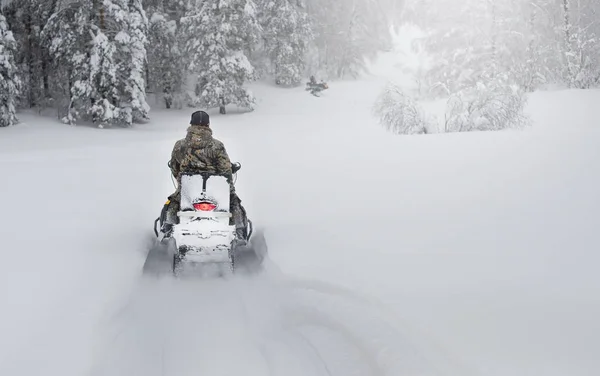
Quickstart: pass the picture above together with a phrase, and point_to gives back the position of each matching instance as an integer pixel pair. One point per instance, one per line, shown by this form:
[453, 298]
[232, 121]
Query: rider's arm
[223, 161]
[174, 162]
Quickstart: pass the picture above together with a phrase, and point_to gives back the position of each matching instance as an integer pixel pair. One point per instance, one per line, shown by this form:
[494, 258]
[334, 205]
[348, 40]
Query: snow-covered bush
[399, 113]
[486, 109]
[9, 83]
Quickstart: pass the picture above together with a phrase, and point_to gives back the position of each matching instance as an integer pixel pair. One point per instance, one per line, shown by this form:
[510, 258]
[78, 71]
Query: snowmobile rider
[200, 152]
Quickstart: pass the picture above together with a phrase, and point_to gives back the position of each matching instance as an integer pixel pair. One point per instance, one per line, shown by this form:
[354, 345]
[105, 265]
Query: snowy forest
[97, 60]
[484, 56]
[529, 43]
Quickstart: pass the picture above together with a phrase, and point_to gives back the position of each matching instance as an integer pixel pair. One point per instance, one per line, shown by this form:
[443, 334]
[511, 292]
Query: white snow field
[446, 254]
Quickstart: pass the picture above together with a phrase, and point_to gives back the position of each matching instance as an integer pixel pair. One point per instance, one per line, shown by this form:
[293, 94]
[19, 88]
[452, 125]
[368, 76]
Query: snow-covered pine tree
[104, 79]
[22, 15]
[131, 40]
[286, 34]
[9, 82]
[84, 60]
[99, 57]
[218, 36]
[166, 67]
[67, 37]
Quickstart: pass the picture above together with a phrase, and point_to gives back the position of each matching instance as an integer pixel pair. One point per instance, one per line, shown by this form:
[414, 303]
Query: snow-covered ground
[461, 254]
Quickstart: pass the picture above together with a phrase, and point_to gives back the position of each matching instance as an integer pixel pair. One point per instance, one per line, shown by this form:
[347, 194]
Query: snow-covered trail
[483, 245]
[272, 325]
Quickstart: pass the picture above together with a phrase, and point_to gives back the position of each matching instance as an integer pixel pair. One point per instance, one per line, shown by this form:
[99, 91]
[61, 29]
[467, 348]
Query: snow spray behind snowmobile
[203, 243]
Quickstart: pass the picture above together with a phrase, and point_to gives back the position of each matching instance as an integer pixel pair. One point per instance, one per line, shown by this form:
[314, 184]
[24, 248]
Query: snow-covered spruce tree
[28, 19]
[106, 74]
[286, 34]
[399, 113]
[23, 16]
[218, 36]
[97, 48]
[166, 68]
[67, 36]
[9, 82]
[131, 57]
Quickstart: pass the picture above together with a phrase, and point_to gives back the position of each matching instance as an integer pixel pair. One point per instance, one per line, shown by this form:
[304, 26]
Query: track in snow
[271, 325]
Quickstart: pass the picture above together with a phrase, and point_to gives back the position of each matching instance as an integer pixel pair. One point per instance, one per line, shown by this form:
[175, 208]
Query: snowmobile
[204, 242]
[315, 88]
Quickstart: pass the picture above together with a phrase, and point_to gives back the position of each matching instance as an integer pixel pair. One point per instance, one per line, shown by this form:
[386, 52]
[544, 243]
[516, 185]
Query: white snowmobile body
[204, 241]
[204, 233]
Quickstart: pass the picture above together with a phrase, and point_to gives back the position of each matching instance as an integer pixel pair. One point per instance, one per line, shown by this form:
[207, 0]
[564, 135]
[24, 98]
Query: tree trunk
[44, 52]
[222, 110]
[494, 39]
[30, 59]
[568, 52]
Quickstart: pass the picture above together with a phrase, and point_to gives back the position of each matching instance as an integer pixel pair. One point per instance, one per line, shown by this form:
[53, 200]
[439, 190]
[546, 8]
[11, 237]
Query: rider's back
[200, 152]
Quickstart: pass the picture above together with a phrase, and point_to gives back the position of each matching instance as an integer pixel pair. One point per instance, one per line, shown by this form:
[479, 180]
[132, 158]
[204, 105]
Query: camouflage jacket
[200, 152]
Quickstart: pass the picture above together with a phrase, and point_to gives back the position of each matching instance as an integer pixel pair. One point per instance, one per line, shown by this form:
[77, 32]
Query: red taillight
[205, 206]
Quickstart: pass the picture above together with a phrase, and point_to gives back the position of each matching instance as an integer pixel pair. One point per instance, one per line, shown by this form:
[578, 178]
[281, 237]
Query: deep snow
[483, 245]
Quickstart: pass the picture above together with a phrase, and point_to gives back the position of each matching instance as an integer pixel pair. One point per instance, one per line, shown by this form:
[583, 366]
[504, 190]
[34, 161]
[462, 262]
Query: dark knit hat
[200, 118]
